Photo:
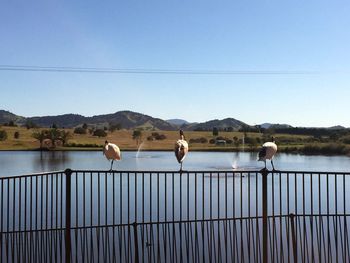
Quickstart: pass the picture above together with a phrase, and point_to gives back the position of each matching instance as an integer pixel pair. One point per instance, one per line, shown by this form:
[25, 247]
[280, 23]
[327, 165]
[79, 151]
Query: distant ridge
[6, 116]
[225, 124]
[267, 125]
[132, 120]
[127, 120]
[177, 122]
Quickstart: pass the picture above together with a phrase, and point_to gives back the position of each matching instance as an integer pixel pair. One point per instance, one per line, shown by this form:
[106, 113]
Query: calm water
[18, 162]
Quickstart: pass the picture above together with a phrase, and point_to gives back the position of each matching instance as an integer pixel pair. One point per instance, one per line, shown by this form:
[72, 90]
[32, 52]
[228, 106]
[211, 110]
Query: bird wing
[181, 148]
[112, 152]
[262, 153]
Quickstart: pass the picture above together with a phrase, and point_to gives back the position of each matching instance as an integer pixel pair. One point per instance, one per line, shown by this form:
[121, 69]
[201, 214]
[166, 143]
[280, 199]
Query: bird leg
[273, 167]
[264, 169]
[111, 165]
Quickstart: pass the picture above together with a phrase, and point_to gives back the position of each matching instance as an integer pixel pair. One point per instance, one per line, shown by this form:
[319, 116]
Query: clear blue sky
[252, 36]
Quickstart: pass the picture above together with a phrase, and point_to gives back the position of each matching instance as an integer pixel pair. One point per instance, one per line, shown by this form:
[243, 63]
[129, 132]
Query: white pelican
[112, 152]
[267, 152]
[181, 148]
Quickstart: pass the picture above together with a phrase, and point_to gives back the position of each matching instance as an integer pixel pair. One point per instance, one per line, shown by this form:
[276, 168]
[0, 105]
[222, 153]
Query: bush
[156, 136]
[161, 137]
[80, 130]
[328, 149]
[199, 140]
[16, 135]
[3, 135]
[30, 125]
[229, 141]
[82, 145]
[100, 133]
[212, 141]
[10, 124]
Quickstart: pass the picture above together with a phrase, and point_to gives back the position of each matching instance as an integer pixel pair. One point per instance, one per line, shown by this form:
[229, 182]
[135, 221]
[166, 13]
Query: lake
[24, 162]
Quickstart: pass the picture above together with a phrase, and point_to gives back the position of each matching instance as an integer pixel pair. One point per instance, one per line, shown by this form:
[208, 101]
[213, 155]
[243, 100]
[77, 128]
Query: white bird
[112, 152]
[181, 148]
[267, 152]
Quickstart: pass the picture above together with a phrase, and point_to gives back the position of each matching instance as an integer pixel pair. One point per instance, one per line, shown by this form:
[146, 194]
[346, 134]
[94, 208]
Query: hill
[66, 120]
[275, 126]
[230, 124]
[130, 120]
[6, 116]
[178, 122]
[127, 120]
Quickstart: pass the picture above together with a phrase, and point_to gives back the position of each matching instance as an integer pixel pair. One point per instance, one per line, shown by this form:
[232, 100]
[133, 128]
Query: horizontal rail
[346, 173]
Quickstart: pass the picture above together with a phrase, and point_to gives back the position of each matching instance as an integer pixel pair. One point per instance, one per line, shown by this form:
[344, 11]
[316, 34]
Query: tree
[40, 136]
[3, 135]
[114, 126]
[236, 141]
[80, 130]
[85, 126]
[11, 124]
[54, 135]
[99, 133]
[65, 136]
[16, 135]
[137, 135]
[30, 124]
[215, 131]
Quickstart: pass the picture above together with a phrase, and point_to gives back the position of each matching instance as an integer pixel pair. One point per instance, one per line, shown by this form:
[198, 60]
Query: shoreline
[283, 150]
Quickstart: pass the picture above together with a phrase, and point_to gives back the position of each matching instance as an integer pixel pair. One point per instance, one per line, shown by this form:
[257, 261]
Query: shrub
[82, 145]
[16, 135]
[229, 141]
[3, 135]
[156, 136]
[80, 130]
[30, 125]
[10, 124]
[212, 141]
[100, 133]
[199, 140]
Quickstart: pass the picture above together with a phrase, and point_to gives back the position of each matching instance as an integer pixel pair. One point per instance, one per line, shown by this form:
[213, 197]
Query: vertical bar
[68, 173]
[264, 174]
[1, 216]
[294, 242]
[136, 243]
[345, 219]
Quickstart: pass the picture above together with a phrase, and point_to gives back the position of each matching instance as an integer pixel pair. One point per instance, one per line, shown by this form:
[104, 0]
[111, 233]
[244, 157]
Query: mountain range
[132, 120]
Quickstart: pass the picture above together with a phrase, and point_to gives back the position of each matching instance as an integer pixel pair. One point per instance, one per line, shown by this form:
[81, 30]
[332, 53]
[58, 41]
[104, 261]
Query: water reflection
[51, 160]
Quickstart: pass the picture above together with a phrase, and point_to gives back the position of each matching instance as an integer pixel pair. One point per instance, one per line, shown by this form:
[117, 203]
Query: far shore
[150, 140]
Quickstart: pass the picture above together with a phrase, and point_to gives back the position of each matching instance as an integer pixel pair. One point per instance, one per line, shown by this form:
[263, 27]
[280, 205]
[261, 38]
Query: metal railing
[166, 216]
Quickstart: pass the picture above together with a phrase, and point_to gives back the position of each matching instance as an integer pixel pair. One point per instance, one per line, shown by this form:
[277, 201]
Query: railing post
[136, 243]
[264, 174]
[68, 173]
[294, 242]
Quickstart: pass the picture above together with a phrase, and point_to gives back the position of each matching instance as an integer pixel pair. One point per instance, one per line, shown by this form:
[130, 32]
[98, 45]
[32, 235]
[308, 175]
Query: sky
[296, 54]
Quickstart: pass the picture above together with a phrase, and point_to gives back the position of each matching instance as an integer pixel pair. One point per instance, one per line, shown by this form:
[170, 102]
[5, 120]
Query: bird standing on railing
[267, 152]
[112, 152]
[181, 149]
